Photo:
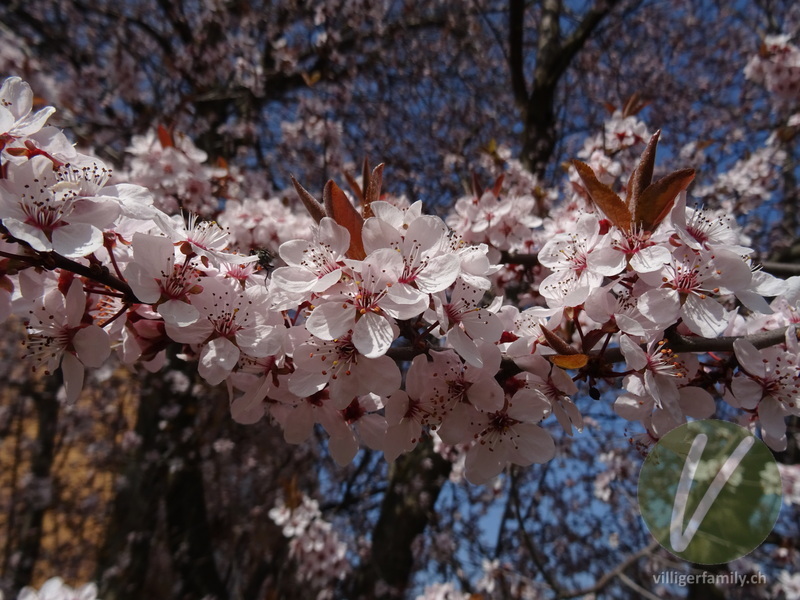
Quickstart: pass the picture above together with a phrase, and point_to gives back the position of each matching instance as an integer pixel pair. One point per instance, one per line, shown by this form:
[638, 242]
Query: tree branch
[617, 571]
[780, 268]
[684, 343]
[516, 61]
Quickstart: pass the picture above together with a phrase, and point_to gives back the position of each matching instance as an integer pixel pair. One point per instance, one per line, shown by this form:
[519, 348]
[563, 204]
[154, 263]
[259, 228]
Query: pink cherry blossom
[16, 119]
[313, 265]
[509, 435]
[464, 321]
[51, 215]
[157, 279]
[768, 383]
[232, 321]
[364, 307]
[58, 337]
[337, 364]
[685, 288]
[428, 265]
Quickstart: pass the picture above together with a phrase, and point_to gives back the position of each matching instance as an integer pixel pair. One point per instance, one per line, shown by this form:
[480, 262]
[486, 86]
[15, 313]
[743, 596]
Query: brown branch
[779, 268]
[95, 273]
[552, 61]
[772, 267]
[514, 258]
[53, 260]
[516, 61]
[617, 571]
[677, 343]
[684, 343]
[580, 36]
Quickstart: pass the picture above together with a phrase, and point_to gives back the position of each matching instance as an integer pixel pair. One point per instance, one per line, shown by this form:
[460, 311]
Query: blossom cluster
[314, 545]
[55, 589]
[777, 68]
[384, 325]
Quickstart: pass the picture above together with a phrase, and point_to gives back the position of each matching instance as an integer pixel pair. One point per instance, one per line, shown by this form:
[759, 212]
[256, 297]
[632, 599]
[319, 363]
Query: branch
[516, 16]
[772, 267]
[684, 343]
[514, 258]
[617, 571]
[578, 39]
[53, 260]
[95, 273]
[779, 268]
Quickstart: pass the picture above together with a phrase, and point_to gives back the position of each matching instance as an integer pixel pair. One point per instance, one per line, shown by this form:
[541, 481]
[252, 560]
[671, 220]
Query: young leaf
[338, 207]
[498, 185]
[312, 205]
[604, 197]
[633, 105]
[359, 194]
[556, 343]
[365, 175]
[373, 191]
[477, 186]
[657, 200]
[642, 175]
[165, 137]
[590, 338]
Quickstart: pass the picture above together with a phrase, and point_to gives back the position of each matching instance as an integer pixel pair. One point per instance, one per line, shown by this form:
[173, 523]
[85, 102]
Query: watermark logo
[710, 491]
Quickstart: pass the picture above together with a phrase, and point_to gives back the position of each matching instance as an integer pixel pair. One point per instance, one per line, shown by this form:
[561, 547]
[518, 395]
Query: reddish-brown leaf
[556, 343]
[604, 197]
[339, 208]
[657, 200]
[365, 174]
[477, 188]
[642, 175]
[498, 185]
[359, 194]
[312, 205]
[634, 105]
[591, 338]
[165, 137]
[570, 361]
[373, 191]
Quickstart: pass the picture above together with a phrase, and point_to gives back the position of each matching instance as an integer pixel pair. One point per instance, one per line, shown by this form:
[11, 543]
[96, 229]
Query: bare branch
[778, 268]
[617, 571]
[516, 61]
[683, 343]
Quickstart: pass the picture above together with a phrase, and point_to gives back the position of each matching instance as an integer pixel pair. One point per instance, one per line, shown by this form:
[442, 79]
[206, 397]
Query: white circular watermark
[710, 491]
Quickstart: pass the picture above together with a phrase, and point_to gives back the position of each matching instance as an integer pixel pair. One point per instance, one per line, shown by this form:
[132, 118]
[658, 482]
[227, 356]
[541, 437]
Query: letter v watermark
[678, 538]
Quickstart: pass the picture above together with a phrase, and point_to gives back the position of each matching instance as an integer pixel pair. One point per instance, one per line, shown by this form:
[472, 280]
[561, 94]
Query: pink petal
[662, 306]
[534, 445]
[439, 273]
[748, 393]
[486, 394]
[635, 356]
[331, 320]
[77, 240]
[343, 447]
[750, 358]
[401, 438]
[481, 464]
[372, 335]
[249, 408]
[92, 345]
[72, 370]
[217, 360]
[704, 316]
[304, 383]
